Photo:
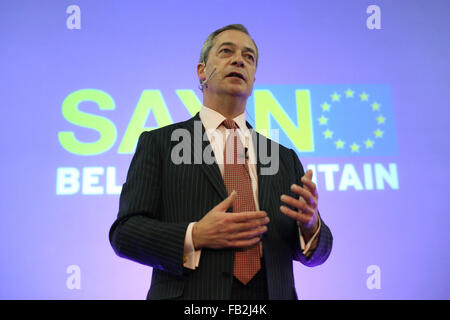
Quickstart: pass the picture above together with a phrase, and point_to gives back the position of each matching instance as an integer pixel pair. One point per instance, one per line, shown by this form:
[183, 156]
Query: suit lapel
[212, 171]
[265, 192]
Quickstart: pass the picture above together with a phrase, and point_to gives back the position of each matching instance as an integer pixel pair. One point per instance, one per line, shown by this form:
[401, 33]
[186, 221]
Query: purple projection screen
[80, 80]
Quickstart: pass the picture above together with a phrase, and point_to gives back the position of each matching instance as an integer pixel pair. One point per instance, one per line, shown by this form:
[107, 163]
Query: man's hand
[307, 205]
[220, 229]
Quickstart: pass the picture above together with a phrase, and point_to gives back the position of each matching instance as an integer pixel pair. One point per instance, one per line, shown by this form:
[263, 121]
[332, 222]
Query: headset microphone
[205, 82]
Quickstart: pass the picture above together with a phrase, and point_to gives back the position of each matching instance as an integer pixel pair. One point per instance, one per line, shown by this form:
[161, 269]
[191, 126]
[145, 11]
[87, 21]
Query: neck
[228, 106]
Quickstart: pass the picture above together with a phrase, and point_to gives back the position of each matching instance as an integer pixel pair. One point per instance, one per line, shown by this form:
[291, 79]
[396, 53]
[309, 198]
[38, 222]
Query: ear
[201, 71]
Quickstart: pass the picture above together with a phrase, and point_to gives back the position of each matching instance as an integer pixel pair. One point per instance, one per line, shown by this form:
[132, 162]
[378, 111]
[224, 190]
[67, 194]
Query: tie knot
[229, 124]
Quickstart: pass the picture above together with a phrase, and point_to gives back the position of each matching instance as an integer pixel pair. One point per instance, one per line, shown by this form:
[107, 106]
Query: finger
[225, 204]
[244, 243]
[250, 225]
[246, 216]
[296, 203]
[303, 192]
[309, 174]
[308, 183]
[302, 217]
[249, 234]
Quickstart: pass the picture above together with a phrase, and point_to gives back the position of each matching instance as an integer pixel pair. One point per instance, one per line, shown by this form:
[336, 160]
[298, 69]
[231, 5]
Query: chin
[238, 91]
[234, 90]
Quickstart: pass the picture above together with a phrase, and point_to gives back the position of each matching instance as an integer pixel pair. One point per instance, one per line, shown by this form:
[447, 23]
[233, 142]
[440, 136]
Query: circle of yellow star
[339, 143]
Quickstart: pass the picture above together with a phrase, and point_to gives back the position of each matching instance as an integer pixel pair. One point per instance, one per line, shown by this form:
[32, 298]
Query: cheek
[252, 77]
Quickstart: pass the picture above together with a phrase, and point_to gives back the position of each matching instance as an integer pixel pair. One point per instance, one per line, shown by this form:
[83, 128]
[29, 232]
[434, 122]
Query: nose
[238, 61]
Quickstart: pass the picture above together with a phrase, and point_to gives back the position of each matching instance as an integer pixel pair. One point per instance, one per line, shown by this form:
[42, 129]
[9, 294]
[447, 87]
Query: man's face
[234, 57]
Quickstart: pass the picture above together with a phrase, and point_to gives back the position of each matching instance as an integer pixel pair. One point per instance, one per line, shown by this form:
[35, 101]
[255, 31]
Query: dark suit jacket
[159, 199]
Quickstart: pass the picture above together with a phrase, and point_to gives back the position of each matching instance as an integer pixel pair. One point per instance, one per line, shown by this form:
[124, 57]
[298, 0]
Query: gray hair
[209, 43]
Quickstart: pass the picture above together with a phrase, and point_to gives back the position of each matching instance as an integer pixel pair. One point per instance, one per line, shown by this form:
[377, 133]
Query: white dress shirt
[217, 135]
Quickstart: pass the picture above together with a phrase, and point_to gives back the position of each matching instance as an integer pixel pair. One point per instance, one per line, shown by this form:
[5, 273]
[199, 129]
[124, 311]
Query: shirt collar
[212, 119]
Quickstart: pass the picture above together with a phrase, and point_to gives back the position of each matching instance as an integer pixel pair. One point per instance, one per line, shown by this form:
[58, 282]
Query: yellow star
[335, 97]
[354, 147]
[325, 107]
[323, 120]
[328, 134]
[369, 144]
[349, 93]
[381, 119]
[375, 106]
[364, 96]
[339, 144]
[378, 133]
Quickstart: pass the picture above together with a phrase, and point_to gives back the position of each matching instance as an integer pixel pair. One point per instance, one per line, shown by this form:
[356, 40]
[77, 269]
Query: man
[227, 228]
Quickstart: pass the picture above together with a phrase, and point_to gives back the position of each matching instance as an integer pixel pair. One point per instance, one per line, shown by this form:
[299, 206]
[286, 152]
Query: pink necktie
[247, 261]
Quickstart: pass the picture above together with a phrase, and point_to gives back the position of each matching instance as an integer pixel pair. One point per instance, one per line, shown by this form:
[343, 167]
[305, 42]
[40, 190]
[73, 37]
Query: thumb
[228, 202]
[309, 174]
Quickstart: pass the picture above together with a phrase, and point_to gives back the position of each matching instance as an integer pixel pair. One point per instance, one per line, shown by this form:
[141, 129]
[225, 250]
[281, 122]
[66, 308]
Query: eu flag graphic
[327, 120]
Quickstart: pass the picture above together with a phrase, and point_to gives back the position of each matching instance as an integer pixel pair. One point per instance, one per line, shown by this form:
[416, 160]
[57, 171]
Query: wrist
[309, 230]
[195, 237]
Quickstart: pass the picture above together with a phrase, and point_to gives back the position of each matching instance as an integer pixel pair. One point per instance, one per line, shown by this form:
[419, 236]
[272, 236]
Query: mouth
[235, 74]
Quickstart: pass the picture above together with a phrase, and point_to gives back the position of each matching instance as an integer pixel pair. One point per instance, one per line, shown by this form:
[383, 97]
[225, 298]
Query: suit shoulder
[163, 133]
[284, 151]
[288, 158]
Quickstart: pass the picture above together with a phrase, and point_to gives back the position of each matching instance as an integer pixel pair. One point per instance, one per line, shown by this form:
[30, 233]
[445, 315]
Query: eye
[225, 50]
[250, 57]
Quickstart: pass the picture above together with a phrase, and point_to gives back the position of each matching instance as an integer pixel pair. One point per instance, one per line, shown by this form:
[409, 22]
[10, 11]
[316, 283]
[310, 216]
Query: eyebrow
[234, 45]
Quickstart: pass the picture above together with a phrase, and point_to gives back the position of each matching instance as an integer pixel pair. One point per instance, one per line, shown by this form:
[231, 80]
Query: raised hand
[221, 229]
